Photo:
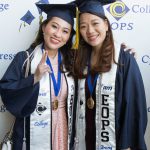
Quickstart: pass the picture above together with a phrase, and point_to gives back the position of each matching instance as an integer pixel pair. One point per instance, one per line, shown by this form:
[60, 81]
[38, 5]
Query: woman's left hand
[131, 50]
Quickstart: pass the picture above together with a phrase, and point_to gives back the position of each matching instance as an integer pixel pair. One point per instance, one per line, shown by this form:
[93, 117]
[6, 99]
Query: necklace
[54, 56]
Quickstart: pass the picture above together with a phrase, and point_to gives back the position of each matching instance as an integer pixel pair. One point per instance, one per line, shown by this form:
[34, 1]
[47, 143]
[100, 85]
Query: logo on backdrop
[28, 17]
[6, 56]
[2, 109]
[141, 9]
[146, 59]
[118, 9]
[4, 7]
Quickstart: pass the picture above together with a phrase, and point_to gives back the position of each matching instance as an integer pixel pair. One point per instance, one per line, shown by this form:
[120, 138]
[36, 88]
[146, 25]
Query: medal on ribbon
[56, 84]
[90, 101]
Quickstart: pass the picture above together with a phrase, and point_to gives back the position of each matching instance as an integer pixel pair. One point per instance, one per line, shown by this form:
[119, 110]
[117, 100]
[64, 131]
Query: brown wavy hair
[105, 56]
[66, 51]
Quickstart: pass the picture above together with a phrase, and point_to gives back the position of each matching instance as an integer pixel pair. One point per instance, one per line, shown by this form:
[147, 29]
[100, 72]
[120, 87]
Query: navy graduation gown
[131, 110]
[19, 95]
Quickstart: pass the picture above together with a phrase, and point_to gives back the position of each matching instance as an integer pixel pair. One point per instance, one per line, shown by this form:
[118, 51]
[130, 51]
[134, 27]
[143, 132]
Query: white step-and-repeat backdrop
[19, 22]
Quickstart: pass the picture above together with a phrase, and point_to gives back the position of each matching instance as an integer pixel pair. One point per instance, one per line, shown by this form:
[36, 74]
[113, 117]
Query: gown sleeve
[18, 93]
[131, 109]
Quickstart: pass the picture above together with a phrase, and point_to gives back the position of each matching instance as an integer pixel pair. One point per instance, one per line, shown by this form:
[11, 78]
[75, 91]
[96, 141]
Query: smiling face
[56, 33]
[93, 29]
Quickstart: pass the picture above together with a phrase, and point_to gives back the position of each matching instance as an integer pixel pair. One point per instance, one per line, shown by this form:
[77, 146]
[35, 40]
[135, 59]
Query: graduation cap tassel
[76, 42]
[24, 136]
[24, 144]
[40, 18]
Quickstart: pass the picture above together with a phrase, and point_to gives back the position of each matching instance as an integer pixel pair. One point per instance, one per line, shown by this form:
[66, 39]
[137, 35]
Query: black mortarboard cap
[66, 12]
[93, 6]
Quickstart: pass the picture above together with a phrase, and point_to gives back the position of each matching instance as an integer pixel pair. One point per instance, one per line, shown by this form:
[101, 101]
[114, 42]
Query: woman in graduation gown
[111, 105]
[42, 103]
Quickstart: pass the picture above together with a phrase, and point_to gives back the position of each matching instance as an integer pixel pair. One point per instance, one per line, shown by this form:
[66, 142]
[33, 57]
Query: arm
[131, 104]
[18, 93]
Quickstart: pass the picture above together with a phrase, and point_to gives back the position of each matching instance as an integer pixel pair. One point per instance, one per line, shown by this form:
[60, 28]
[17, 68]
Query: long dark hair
[66, 51]
[105, 56]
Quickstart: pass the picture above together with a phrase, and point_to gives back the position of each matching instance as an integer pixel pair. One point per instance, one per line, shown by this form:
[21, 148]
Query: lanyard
[89, 81]
[58, 83]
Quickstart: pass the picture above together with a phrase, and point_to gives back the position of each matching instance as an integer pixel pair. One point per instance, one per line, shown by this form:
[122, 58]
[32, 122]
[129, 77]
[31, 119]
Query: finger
[49, 70]
[44, 57]
[127, 49]
[132, 51]
[123, 45]
[46, 67]
[135, 55]
[42, 67]
[46, 70]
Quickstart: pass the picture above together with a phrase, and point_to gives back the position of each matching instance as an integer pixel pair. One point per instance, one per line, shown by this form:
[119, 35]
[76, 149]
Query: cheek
[48, 29]
[83, 34]
[104, 32]
[66, 37]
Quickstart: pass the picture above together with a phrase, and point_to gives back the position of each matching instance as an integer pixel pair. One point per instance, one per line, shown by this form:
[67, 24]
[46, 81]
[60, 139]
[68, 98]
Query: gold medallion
[55, 104]
[90, 103]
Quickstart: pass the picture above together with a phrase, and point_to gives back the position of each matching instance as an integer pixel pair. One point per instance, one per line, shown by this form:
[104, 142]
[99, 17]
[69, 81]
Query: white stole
[105, 110]
[40, 119]
[105, 107]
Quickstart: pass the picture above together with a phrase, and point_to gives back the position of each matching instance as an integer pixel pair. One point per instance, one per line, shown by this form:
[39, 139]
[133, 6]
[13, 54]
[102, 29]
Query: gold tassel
[76, 42]
[40, 19]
